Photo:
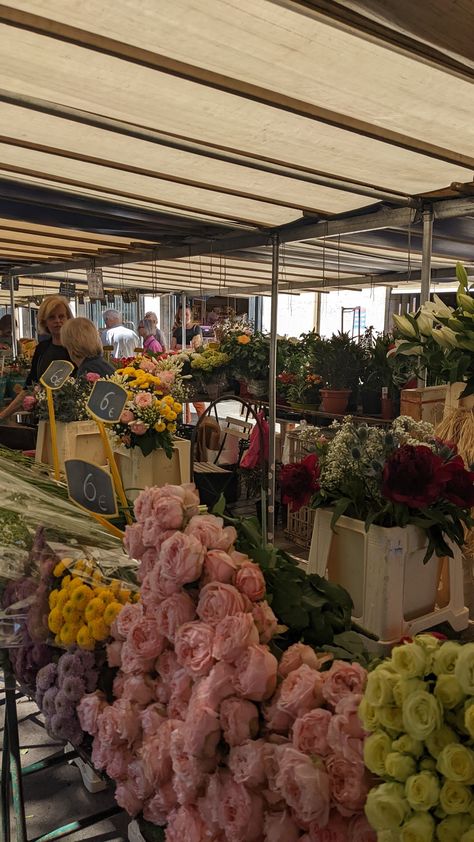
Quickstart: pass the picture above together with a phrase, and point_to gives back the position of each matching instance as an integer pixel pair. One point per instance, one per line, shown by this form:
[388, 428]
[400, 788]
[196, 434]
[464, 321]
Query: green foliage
[341, 361]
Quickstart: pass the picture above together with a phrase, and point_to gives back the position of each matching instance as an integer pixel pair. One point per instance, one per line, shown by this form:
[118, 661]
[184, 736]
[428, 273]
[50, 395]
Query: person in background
[159, 335]
[52, 314]
[81, 339]
[147, 332]
[193, 342]
[6, 332]
[123, 340]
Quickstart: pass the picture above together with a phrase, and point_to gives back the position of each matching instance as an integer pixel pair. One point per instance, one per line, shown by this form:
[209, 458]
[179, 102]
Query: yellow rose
[391, 718]
[456, 763]
[469, 719]
[171, 428]
[368, 715]
[386, 807]
[376, 749]
[464, 668]
[404, 687]
[410, 660]
[159, 426]
[420, 828]
[379, 688]
[427, 763]
[85, 639]
[429, 642]
[55, 620]
[422, 714]
[399, 766]
[449, 691]
[451, 828]
[422, 791]
[445, 658]
[407, 745]
[468, 836]
[440, 738]
[455, 798]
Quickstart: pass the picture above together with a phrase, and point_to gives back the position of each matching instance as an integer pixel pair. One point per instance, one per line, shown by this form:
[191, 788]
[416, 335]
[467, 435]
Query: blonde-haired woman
[52, 314]
[81, 339]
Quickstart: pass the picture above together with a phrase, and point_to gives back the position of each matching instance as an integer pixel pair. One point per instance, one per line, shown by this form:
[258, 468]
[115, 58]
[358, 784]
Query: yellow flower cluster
[84, 606]
[141, 379]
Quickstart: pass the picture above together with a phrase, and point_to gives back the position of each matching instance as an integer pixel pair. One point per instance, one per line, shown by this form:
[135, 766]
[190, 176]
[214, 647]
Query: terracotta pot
[335, 400]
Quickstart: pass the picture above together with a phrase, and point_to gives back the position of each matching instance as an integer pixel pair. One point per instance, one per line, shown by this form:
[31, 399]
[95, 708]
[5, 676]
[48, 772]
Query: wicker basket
[299, 528]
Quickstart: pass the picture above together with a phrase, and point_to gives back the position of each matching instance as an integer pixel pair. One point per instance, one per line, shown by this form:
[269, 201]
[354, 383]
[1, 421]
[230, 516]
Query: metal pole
[12, 308]
[272, 390]
[183, 320]
[426, 249]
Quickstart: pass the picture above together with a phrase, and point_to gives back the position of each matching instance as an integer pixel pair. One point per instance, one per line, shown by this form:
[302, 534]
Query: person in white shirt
[123, 339]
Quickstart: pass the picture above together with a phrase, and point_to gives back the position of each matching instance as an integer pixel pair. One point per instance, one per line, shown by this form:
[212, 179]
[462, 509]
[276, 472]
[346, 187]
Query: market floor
[57, 796]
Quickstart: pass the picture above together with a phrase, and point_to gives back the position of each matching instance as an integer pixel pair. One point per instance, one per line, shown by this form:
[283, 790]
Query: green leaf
[341, 506]
[461, 275]
[219, 507]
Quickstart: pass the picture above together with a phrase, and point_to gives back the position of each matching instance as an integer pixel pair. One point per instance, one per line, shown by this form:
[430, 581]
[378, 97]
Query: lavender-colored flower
[86, 659]
[62, 704]
[73, 687]
[39, 697]
[67, 665]
[48, 706]
[91, 679]
[46, 676]
[65, 728]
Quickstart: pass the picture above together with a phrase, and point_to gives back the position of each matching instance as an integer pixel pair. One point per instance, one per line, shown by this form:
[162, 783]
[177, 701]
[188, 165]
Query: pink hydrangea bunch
[209, 734]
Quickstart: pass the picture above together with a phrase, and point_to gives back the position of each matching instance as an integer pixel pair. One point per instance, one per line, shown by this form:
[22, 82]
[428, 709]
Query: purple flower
[86, 659]
[73, 687]
[48, 706]
[67, 665]
[39, 696]
[91, 680]
[62, 704]
[46, 676]
[65, 728]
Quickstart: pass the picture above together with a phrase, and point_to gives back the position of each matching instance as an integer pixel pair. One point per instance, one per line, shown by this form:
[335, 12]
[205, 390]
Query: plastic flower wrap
[209, 733]
[83, 603]
[419, 707]
[155, 388]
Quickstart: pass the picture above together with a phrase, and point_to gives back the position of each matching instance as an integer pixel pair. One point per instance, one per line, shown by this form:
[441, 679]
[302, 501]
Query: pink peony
[217, 601]
[138, 779]
[152, 718]
[181, 559]
[301, 691]
[189, 772]
[92, 376]
[360, 830]
[207, 529]
[246, 763]
[155, 753]
[29, 403]
[89, 709]
[139, 689]
[159, 502]
[145, 640]
[158, 808]
[166, 665]
[132, 662]
[126, 798]
[275, 718]
[133, 540]
[233, 635]
[127, 417]
[201, 730]
[143, 400]
[239, 720]
[256, 673]
[250, 581]
[218, 567]
[155, 588]
[180, 688]
[119, 723]
[117, 767]
[265, 620]
[219, 684]
[304, 785]
[335, 830]
[153, 534]
[185, 823]
[102, 754]
[194, 647]
[138, 428]
[208, 804]
[114, 653]
[173, 612]
[147, 563]
[310, 732]
[129, 615]
[280, 827]
[298, 654]
[349, 783]
[240, 812]
[342, 679]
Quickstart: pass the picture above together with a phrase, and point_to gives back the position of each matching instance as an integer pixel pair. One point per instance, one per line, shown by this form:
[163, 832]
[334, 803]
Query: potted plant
[211, 366]
[304, 391]
[250, 356]
[340, 364]
[378, 373]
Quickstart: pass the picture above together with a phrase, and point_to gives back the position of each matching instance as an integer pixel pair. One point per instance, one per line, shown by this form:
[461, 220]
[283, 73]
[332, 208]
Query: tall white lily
[437, 308]
[466, 302]
[405, 326]
[445, 337]
[425, 321]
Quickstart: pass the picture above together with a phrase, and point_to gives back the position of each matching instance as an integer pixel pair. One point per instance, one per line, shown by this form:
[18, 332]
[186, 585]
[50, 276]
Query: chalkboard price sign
[56, 374]
[91, 487]
[106, 401]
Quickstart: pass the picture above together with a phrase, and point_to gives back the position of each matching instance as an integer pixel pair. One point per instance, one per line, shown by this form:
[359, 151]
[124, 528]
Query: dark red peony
[414, 475]
[459, 488]
[299, 481]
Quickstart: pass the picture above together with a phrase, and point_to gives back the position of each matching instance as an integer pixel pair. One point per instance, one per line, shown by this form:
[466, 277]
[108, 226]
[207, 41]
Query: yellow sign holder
[114, 470]
[51, 382]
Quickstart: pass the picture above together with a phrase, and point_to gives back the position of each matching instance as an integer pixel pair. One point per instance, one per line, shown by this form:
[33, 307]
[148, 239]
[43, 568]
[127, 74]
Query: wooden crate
[424, 404]
[299, 528]
[453, 401]
[139, 471]
[298, 449]
[76, 440]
